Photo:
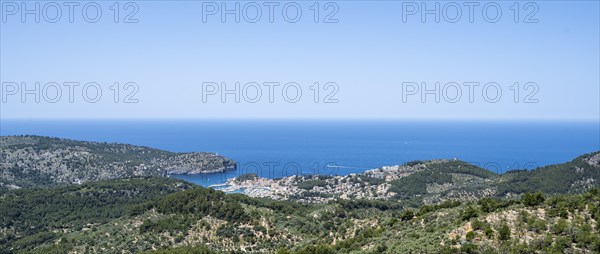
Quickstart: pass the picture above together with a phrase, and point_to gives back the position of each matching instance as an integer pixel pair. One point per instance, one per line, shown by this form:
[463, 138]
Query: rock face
[593, 160]
[28, 161]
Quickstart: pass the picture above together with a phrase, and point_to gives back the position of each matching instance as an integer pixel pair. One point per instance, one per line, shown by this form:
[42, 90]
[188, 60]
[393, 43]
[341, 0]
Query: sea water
[278, 148]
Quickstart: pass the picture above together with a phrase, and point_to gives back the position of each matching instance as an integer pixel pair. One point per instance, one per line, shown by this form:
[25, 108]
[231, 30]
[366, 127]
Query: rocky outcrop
[594, 160]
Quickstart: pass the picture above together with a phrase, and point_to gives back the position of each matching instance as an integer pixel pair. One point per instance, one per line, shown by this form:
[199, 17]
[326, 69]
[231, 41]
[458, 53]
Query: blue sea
[280, 148]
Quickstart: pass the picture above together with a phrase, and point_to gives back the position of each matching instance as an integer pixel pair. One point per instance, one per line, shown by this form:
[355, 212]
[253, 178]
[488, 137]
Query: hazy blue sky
[368, 53]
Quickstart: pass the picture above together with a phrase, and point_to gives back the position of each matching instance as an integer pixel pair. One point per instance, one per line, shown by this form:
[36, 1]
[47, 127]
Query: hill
[29, 161]
[572, 177]
[159, 215]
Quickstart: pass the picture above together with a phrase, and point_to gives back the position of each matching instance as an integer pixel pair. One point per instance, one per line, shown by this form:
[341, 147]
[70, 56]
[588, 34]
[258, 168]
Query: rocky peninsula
[29, 161]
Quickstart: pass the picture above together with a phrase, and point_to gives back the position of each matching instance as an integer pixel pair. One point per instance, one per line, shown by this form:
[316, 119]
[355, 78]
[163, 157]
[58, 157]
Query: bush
[407, 215]
[538, 226]
[478, 224]
[533, 199]
[489, 232]
[488, 205]
[560, 227]
[470, 236]
[504, 232]
[468, 248]
[468, 213]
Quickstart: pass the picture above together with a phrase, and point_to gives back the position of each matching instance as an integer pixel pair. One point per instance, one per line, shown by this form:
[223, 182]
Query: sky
[352, 59]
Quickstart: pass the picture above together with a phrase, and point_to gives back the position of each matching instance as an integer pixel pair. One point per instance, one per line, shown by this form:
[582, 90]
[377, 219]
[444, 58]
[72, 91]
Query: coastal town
[372, 184]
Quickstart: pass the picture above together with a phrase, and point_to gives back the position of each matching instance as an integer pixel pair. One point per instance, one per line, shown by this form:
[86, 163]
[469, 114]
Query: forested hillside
[168, 216]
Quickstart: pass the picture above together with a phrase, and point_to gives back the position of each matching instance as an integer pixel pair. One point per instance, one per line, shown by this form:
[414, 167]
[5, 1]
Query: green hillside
[147, 214]
[438, 206]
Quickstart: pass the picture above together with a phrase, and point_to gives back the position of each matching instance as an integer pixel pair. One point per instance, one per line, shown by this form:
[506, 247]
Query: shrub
[560, 227]
[538, 226]
[468, 213]
[504, 232]
[470, 236]
[478, 224]
[407, 215]
[533, 199]
[489, 232]
[488, 205]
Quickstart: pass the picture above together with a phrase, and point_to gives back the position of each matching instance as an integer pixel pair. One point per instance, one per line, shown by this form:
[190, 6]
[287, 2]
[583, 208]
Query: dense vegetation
[560, 178]
[33, 215]
[171, 216]
[460, 180]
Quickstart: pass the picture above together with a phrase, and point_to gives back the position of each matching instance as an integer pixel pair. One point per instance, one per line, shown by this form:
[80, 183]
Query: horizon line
[262, 118]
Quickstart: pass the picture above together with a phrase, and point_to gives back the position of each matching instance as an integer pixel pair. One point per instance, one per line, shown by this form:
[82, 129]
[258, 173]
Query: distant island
[29, 161]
